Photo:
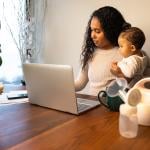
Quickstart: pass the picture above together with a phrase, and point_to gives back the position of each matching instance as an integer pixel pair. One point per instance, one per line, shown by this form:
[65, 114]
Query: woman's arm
[82, 79]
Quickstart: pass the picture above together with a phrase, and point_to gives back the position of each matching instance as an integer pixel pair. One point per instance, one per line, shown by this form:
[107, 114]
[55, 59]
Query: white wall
[66, 20]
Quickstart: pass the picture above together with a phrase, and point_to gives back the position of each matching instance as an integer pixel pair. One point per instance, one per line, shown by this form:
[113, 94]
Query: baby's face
[125, 47]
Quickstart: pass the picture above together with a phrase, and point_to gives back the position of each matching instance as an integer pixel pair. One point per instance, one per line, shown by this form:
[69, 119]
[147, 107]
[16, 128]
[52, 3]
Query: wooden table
[30, 127]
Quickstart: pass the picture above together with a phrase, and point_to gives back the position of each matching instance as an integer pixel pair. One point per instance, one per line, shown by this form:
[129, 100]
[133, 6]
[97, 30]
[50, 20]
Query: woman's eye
[97, 31]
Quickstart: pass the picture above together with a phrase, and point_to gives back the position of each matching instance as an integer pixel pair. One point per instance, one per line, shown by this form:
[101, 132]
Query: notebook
[52, 86]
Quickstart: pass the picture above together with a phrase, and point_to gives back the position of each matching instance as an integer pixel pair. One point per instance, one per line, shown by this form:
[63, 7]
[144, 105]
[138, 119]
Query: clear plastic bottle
[128, 122]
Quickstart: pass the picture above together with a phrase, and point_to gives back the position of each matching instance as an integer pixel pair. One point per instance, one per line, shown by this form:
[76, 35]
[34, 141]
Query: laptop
[52, 86]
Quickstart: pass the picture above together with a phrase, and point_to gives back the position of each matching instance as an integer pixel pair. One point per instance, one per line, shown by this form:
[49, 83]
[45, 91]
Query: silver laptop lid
[51, 85]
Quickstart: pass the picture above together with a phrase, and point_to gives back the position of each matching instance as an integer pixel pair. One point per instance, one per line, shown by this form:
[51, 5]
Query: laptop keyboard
[84, 104]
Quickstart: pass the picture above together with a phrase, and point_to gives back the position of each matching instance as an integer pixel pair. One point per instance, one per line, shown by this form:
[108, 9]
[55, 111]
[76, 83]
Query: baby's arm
[130, 66]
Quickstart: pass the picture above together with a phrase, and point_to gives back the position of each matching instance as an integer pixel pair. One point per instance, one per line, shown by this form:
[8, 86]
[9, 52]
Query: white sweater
[97, 72]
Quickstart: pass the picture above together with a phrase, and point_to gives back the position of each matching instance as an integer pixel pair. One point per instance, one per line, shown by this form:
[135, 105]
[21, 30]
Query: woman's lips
[95, 42]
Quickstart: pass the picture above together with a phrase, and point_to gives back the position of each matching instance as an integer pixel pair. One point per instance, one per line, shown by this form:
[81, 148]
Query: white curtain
[37, 10]
[21, 36]
[11, 14]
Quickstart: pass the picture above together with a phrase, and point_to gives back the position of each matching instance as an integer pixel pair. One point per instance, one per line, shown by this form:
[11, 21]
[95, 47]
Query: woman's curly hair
[112, 23]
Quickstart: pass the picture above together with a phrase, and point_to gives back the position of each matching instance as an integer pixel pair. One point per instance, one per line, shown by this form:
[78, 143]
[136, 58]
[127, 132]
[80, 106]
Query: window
[21, 36]
[10, 70]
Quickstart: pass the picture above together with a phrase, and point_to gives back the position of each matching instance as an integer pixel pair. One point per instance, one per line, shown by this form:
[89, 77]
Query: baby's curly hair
[112, 23]
[135, 36]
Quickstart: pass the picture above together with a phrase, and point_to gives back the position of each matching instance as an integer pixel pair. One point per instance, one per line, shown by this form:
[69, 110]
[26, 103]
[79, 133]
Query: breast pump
[138, 96]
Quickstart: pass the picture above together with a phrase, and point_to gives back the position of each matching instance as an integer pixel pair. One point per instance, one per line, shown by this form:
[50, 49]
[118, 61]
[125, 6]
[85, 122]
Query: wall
[66, 20]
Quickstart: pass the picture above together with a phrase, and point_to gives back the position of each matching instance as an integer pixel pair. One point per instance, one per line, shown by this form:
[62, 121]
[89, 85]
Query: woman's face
[98, 36]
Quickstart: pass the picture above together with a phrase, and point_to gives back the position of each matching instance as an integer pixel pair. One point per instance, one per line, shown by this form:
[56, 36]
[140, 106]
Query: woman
[100, 49]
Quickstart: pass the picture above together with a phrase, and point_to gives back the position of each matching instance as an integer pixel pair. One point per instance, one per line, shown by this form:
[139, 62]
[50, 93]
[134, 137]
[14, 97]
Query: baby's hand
[115, 70]
[114, 65]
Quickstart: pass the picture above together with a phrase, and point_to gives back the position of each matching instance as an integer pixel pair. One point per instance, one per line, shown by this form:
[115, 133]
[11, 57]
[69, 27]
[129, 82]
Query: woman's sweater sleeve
[82, 79]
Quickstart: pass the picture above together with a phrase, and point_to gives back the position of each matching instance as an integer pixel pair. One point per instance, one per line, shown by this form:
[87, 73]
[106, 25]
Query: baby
[134, 60]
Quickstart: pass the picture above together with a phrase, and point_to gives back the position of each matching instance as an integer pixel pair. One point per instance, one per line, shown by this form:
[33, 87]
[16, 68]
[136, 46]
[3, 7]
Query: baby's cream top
[133, 67]
[97, 72]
